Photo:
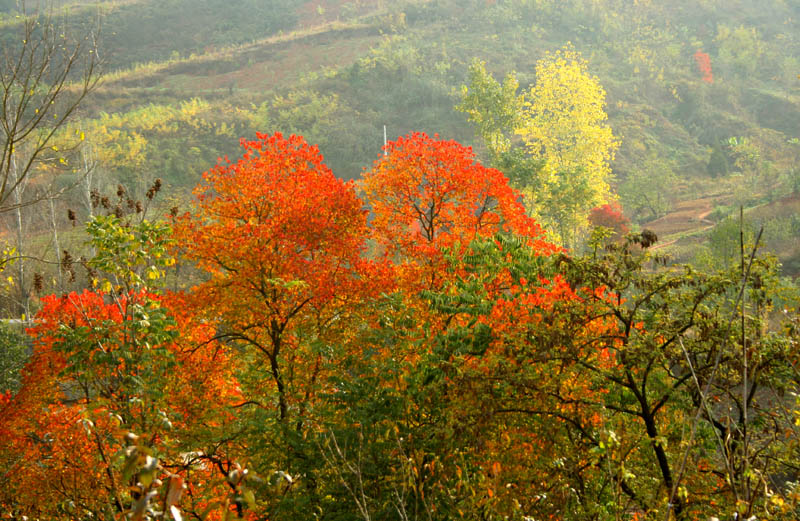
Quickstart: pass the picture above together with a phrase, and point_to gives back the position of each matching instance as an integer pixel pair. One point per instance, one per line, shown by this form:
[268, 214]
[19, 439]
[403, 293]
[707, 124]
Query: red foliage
[428, 195]
[276, 230]
[57, 439]
[60, 457]
[704, 66]
[610, 216]
[282, 240]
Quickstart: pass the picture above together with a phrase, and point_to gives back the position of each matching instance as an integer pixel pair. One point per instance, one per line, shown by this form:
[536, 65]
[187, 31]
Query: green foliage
[14, 353]
[645, 191]
[622, 400]
[130, 363]
[740, 48]
[395, 54]
[178, 140]
[494, 109]
[130, 259]
[718, 165]
[132, 255]
[326, 120]
[724, 240]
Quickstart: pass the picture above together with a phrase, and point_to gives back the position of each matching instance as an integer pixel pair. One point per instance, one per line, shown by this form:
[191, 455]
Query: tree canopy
[438, 359]
[565, 168]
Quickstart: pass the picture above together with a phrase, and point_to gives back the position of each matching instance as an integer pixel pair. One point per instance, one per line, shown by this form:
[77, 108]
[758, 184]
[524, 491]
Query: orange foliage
[282, 240]
[283, 244]
[276, 227]
[428, 195]
[703, 62]
[69, 447]
[56, 455]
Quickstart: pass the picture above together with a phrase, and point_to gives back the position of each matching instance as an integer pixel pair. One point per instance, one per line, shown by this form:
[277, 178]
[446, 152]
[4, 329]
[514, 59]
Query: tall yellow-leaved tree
[565, 125]
[563, 164]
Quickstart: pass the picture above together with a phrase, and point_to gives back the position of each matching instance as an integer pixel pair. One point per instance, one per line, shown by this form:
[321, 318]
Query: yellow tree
[563, 167]
[565, 125]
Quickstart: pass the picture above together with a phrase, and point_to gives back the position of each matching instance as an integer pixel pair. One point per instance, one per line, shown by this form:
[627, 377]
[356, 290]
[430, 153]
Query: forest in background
[452, 353]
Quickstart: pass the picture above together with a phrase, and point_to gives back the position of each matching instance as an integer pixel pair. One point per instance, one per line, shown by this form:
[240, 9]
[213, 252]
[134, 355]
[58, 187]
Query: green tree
[495, 109]
[645, 191]
[740, 48]
[13, 355]
[632, 397]
[725, 240]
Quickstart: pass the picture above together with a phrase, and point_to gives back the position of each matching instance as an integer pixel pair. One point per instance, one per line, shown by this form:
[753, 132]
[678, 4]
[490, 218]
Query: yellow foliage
[565, 122]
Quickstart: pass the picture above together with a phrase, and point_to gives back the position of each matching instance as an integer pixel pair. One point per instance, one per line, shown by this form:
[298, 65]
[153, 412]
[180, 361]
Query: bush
[14, 353]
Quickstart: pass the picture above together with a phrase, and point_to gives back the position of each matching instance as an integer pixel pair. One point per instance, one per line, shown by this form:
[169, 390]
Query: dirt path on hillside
[686, 216]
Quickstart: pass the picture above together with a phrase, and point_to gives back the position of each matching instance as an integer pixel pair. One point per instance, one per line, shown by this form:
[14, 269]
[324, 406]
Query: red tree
[703, 62]
[610, 216]
[281, 239]
[428, 195]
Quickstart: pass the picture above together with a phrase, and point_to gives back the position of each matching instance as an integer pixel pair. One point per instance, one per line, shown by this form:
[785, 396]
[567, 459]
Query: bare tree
[48, 65]
[45, 74]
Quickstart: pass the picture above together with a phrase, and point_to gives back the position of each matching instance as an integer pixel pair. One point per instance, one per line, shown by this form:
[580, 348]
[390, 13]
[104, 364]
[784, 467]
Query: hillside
[185, 80]
[564, 288]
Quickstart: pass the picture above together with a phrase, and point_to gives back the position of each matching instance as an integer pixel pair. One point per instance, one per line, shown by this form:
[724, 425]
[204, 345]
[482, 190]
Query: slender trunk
[745, 447]
[23, 293]
[20, 246]
[89, 164]
[56, 245]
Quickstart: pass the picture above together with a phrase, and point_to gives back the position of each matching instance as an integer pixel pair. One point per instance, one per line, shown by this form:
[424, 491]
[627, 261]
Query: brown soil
[691, 216]
[686, 216]
[785, 206]
[273, 62]
[274, 65]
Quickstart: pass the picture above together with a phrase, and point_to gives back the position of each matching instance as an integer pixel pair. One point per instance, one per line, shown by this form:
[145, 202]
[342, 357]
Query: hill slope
[338, 71]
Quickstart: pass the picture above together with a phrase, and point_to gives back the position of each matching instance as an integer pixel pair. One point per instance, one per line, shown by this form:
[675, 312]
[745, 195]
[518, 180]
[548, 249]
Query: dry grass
[686, 216]
[257, 64]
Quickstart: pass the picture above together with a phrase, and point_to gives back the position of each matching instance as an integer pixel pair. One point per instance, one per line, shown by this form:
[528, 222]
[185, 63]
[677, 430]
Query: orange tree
[281, 242]
[429, 194]
[116, 380]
